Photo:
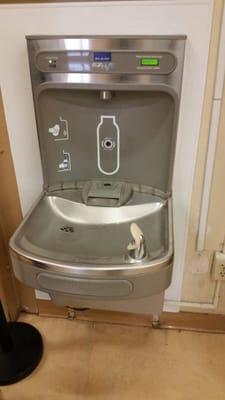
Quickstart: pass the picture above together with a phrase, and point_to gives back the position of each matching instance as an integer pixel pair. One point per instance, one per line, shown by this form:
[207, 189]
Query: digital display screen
[102, 56]
[149, 62]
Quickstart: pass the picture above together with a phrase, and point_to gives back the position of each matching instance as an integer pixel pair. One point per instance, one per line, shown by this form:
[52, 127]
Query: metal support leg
[6, 343]
[155, 321]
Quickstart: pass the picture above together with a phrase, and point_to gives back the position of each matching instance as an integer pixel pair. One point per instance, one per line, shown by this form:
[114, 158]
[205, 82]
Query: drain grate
[66, 228]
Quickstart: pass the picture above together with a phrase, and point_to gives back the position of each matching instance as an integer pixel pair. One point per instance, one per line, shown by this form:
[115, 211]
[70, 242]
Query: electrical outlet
[218, 266]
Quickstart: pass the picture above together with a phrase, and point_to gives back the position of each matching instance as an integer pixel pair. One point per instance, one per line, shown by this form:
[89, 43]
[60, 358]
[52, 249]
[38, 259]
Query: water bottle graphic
[108, 145]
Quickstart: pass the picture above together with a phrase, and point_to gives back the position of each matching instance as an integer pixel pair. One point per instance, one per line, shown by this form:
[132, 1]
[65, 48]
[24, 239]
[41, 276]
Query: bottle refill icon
[108, 145]
[106, 111]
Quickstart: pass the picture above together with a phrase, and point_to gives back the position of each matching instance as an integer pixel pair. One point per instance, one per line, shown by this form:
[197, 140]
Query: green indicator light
[149, 62]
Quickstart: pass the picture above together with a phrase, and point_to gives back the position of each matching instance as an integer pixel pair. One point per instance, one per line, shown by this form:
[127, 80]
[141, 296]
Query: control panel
[106, 62]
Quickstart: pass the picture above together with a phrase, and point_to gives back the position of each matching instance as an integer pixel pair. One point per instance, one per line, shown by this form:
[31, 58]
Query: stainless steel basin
[63, 234]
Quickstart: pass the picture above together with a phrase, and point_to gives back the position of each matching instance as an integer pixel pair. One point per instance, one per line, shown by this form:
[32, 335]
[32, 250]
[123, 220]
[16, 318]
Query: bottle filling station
[101, 234]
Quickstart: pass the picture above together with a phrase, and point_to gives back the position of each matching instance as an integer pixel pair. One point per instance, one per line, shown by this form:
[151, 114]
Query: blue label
[102, 56]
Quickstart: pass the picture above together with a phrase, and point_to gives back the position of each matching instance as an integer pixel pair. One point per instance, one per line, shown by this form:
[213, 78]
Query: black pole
[6, 342]
[21, 349]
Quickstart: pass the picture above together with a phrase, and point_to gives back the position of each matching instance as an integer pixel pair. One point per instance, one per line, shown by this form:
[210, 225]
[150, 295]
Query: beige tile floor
[84, 360]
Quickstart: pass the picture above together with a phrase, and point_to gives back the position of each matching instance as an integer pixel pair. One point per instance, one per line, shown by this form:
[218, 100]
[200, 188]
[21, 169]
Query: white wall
[192, 18]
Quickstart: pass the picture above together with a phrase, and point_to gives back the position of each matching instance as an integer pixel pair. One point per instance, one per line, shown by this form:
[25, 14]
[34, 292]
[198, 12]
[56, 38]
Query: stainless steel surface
[151, 92]
[148, 305]
[154, 44]
[137, 247]
[80, 239]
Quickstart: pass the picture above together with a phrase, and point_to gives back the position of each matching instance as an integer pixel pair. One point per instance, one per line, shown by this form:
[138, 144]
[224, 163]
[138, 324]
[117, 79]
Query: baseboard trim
[199, 322]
